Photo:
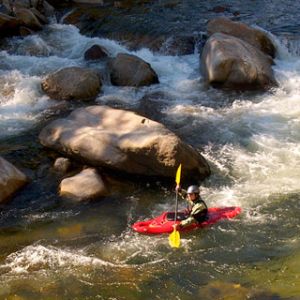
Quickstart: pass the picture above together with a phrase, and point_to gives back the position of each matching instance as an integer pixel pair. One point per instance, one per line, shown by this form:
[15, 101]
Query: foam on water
[30, 59]
[38, 257]
[21, 102]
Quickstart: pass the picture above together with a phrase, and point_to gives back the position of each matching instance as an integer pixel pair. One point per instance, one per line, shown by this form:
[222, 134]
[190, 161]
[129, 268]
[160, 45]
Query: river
[51, 248]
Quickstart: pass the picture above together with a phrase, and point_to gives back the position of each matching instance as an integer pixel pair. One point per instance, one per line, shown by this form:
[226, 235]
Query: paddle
[174, 237]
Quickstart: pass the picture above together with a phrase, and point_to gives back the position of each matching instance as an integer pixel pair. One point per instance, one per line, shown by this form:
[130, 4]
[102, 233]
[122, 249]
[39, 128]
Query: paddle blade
[178, 175]
[174, 239]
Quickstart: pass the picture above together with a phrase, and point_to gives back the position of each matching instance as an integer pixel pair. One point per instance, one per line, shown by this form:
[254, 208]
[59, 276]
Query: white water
[252, 142]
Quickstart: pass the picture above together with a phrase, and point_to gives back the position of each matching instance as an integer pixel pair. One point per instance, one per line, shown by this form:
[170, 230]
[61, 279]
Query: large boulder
[11, 180]
[72, 83]
[232, 63]
[88, 184]
[255, 37]
[130, 70]
[124, 141]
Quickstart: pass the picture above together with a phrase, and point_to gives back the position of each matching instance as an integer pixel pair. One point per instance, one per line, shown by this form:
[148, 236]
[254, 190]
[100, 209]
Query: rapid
[53, 249]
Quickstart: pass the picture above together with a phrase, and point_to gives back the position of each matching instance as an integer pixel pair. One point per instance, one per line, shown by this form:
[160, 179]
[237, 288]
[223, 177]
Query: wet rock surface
[121, 140]
[72, 83]
[130, 70]
[229, 62]
[11, 180]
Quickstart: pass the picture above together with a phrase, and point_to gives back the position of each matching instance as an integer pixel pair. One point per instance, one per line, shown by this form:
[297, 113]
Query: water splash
[37, 257]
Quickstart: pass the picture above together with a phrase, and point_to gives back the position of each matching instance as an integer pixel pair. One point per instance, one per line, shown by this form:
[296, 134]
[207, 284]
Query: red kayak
[164, 223]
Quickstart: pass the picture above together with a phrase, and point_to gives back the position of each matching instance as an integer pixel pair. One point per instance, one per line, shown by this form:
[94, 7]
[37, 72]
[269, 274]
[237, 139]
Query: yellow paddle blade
[178, 175]
[174, 239]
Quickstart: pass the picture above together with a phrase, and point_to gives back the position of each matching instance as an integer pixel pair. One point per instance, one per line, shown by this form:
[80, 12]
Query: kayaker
[197, 211]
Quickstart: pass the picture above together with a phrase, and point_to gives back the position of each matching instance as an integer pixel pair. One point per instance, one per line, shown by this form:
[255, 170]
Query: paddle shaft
[176, 206]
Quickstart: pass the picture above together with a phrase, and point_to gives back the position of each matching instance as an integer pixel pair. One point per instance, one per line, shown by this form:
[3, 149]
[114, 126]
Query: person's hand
[178, 188]
[177, 226]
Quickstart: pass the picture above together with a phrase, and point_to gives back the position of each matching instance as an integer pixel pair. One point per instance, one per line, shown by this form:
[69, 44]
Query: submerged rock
[223, 290]
[11, 180]
[72, 83]
[88, 184]
[179, 45]
[124, 141]
[229, 62]
[130, 70]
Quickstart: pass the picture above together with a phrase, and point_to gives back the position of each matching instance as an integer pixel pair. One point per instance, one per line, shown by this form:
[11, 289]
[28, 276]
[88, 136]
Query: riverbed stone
[8, 25]
[62, 164]
[178, 45]
[231, 63]
[95, 52]
[24, 31]
[42, 19]
[130, 70]
[11, 180]
[72, 83]
[28, 18]
[88, 184]
[20, 14]
[124, 141]
[257, 38]
[47, 9]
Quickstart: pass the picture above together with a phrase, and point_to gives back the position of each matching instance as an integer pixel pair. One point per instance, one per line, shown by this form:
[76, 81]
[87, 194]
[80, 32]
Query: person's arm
[190, 220]
[181, 192]
[197, 208]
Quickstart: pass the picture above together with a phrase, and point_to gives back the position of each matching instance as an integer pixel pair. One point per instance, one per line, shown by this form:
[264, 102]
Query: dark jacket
[197, 210]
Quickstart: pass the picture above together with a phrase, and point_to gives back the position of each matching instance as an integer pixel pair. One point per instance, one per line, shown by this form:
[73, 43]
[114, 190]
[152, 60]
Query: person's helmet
[193, 189]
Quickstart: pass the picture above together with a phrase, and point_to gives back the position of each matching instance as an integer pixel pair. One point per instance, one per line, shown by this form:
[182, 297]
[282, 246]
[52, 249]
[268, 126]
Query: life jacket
[201, 216]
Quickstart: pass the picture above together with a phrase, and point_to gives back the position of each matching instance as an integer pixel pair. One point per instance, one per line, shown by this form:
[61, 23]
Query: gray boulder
[124, 141]
[130, 70]
[11, 180]
[253, 36]
[229, 62]
[72, 83]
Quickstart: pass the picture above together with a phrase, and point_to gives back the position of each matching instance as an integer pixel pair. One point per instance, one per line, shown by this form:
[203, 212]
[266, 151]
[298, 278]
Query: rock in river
[231, 63]
[124, 141]
[72, 83]
[255, 37]
[130, 70]
[88, 184]
[11, 180]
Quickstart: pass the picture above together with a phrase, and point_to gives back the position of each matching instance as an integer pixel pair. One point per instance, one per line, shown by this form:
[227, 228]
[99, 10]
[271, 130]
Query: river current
[51, 248]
